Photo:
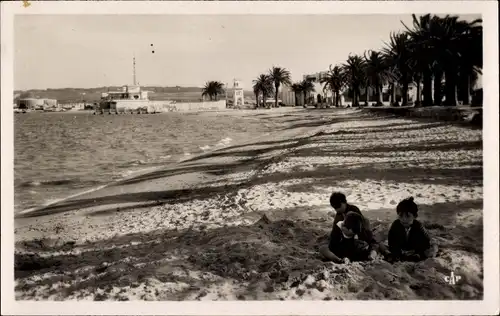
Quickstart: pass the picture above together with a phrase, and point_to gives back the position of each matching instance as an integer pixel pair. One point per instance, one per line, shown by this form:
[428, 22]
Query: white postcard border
[488, 306]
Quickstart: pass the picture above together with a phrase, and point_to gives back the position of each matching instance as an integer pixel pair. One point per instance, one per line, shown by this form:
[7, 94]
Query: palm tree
[307, 87]
[279, 76]
[423, 53]
[417, 78]
[297, 89]
[450, 47]
[264, 85]
[378, 73]
[212, 89]
[256, 91]
[453, 35]
[471, 61]
[366, 85]
[399, 58]
[334, 80]
[353, 71]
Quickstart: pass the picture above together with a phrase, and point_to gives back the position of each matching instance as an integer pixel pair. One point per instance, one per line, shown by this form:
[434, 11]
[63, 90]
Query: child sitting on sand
[364, 247]
[408, 239]
[343, 245]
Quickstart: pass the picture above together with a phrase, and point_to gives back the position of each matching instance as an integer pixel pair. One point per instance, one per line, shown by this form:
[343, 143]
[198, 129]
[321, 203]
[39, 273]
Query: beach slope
[245, 222]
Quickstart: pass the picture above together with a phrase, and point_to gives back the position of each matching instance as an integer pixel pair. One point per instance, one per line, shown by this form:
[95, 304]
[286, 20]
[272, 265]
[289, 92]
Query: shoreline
[172, 164]
[244, 222]
[166, 167]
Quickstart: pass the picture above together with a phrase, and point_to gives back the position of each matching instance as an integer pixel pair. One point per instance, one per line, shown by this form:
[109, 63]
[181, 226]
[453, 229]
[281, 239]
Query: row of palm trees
[440, 56]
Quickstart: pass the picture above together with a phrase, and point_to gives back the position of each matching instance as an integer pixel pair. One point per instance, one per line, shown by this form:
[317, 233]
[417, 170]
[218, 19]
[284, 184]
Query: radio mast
[134, 70]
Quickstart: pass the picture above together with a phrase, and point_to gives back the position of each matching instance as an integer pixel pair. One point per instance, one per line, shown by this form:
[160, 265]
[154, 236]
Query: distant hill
[67, 95]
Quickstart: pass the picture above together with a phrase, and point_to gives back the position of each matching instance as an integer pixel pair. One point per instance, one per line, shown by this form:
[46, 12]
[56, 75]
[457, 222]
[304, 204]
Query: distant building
[127, 93]
[130, 98]
[30, 103]
[51, 103]
[74, 106]
[320, 94]
[36, 104]
[286, 95]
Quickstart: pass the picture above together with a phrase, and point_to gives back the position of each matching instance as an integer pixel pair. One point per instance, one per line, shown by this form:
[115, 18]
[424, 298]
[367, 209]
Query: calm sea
[60, 154]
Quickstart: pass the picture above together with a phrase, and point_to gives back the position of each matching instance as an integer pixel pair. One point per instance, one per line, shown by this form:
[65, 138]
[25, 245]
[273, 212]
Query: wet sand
[245, 222]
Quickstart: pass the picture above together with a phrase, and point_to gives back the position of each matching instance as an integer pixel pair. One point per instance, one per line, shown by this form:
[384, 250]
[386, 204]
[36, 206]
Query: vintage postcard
[250, 158]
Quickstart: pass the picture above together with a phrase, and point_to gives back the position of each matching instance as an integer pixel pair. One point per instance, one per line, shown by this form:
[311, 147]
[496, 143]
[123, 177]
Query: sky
[86, 51]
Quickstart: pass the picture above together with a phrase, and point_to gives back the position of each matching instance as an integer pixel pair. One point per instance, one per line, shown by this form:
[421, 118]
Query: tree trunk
[419, 93]
[391, 96]
[465, 89]
[366, 97]
[358, 96]
[438, 78]
[257, 99]
[427, 90]
[404, 97]
[468, 88]
[305, 99]
[394, 101]
[296, 99]
[380, 100]
[276, 87]
[450, 88]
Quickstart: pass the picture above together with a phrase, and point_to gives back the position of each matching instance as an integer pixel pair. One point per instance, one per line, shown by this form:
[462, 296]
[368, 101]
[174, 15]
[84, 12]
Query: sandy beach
[245, 222]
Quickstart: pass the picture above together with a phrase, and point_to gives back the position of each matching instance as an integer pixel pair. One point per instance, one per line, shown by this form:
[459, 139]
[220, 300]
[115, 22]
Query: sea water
[61, 154]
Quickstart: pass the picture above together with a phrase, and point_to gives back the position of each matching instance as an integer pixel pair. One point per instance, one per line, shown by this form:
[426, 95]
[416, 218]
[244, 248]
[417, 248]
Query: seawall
[161, 106]
[468, 115]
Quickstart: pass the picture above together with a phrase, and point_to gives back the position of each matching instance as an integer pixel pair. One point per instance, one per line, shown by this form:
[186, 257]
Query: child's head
[407, 211]
[338, 201]
[352, 225]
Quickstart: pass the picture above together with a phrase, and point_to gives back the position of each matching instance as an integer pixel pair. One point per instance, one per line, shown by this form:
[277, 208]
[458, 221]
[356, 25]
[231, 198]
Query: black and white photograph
[238, 155]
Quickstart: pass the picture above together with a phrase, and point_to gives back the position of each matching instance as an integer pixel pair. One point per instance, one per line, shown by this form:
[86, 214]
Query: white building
[286, 95]
[130, 98]
[320, 94]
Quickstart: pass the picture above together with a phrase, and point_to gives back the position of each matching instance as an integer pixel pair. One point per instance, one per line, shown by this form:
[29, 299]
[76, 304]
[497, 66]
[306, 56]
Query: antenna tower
[134, 71]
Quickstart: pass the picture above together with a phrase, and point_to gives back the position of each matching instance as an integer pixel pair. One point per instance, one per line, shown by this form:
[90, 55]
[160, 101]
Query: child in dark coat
[408, 239]
[345, 244]
[339, 202]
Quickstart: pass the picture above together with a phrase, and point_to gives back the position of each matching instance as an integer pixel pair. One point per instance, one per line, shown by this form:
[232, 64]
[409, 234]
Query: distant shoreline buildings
[48, 105]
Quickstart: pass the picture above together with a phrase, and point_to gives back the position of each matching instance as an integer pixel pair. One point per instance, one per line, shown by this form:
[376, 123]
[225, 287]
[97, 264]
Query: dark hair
[336, 199]
[354, 222]
[407, 206]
